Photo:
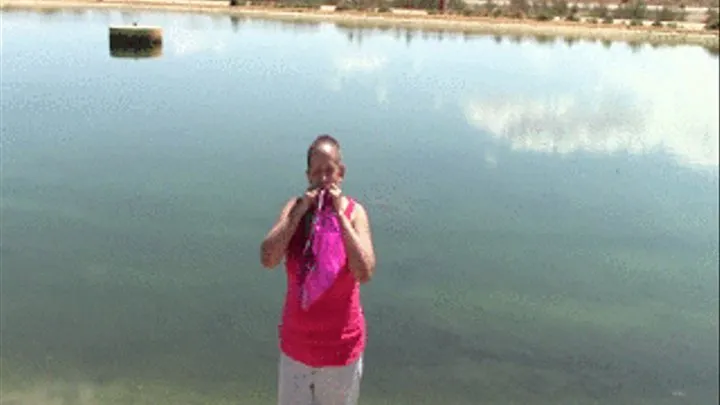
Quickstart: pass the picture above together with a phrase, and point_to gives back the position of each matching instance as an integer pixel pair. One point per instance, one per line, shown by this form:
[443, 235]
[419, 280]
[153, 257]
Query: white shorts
[299, 384]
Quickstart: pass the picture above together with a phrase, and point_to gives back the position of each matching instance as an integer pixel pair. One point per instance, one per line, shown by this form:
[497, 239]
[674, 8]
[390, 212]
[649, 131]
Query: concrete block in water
[135, 37]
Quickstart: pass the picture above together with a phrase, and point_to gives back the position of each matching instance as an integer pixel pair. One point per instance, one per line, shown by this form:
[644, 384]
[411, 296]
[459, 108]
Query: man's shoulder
[358, 209]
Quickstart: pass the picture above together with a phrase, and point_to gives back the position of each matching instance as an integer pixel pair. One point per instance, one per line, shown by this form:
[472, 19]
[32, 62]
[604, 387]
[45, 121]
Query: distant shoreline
[479, 25]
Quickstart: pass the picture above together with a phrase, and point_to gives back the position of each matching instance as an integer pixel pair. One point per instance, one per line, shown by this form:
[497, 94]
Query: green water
[545, 215]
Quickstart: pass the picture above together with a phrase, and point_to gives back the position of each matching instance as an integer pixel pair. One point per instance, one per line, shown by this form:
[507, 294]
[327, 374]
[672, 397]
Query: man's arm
[274, 246]
[358, 244]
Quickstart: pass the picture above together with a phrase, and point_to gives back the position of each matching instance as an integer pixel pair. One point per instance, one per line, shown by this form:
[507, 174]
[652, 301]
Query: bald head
[324, 162]
[324, 146]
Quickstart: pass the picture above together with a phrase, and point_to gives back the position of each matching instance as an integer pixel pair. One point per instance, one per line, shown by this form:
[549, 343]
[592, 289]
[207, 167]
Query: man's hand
[336, 197]
[306, 201]
[275, 243]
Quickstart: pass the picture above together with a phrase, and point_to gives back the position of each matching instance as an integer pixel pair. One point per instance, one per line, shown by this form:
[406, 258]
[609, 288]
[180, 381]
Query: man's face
[325, 168]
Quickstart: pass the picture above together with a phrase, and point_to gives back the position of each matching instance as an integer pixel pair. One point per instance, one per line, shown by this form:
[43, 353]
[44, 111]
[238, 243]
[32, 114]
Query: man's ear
[342, 171]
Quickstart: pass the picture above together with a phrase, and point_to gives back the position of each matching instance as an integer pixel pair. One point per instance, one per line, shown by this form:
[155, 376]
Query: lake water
[545, 215]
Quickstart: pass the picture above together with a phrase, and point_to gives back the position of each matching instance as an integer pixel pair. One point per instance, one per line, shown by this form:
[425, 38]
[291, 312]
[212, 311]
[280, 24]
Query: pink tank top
[332, 332]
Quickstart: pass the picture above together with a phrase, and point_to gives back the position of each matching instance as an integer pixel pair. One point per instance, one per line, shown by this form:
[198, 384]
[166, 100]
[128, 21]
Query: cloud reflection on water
[352, 65]
[554, 99]
[667, 104]
[184, 41]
